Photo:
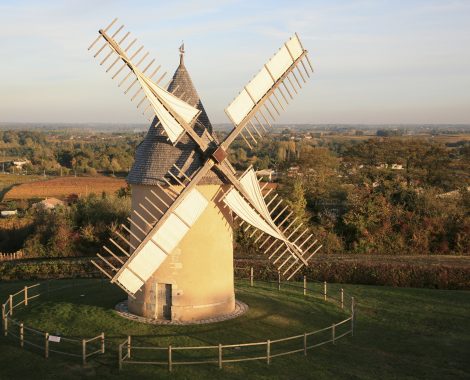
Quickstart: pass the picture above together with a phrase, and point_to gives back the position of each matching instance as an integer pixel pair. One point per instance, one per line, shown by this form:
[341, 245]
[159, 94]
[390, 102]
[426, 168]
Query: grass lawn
[400, 334]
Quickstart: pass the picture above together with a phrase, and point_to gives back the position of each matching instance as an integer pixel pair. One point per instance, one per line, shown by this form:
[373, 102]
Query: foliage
[75, 230]
[62, 154]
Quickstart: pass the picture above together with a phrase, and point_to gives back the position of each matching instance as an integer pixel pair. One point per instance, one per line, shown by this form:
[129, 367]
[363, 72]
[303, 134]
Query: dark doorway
[164, 301]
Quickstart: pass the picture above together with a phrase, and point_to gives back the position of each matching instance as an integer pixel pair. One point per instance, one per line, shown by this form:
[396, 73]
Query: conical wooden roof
[156, 155]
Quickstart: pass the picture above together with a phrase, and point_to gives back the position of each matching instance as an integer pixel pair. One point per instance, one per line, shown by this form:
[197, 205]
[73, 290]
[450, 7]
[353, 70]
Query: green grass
[400, 334]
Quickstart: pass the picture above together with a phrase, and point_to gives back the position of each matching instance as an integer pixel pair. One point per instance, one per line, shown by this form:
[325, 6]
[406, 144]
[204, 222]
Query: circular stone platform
[240, 309]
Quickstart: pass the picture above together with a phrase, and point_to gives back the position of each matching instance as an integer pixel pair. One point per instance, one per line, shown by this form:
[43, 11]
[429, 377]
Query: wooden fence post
[120, 356]
[21, 335]
[342, 298]
[268, 351]
[46, 345]
[305, 285]
[305, 344]
[220, 355]
[352, 315]
[102, 342]
[128, 346]
[251, 276]
[324, 290]
[10, 302]
[278, 280]
[170, 363]
[83, 351]
[4, 320]
[333, 332]
[26, 296]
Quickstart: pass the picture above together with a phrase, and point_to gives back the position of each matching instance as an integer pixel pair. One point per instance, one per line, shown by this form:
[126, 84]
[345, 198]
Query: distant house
[293, 171]
[48, 204]
[268, 174]
[19, 164]
[391, 166]
[7, 213]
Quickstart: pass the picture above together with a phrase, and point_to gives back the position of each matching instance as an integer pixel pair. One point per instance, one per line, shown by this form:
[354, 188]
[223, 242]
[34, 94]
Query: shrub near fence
[42, 340]
[384, 271]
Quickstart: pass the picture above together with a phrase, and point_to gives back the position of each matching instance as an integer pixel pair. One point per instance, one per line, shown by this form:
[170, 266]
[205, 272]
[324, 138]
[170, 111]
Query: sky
[375, 61]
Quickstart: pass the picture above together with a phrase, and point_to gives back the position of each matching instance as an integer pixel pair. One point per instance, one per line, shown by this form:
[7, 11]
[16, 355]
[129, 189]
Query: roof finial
[181, 49]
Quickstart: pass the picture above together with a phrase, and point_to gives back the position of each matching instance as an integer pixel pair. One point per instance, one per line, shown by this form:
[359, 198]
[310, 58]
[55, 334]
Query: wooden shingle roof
[156, 155]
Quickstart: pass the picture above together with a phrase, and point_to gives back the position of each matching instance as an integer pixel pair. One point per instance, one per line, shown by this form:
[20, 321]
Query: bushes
[371, 272]
[441, 274]
[47, 269]
[76, 230]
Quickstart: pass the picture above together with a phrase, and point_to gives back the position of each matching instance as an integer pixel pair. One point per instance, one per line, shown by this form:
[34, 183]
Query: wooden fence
[11, 256]
[179, 355]
[263, 350]
[42, 340]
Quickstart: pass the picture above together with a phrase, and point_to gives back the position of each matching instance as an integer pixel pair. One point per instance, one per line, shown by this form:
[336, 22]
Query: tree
[297, 201]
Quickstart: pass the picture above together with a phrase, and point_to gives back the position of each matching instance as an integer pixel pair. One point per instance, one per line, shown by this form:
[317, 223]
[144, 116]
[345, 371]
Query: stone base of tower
[195, 281]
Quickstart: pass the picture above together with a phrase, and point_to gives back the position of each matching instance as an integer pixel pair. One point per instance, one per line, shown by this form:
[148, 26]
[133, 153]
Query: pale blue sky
[375, 61]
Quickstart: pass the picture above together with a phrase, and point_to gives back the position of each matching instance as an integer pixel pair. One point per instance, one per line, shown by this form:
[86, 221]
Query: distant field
[9, 180]
[445, 139]
[61, 187]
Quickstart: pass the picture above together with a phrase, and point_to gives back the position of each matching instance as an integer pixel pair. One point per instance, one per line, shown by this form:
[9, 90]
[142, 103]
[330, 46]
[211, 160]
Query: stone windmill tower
[175, 259]
[196, 280]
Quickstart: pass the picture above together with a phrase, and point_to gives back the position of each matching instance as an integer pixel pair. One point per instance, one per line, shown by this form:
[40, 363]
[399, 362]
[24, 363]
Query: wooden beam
[102, 270]
[119, 247]
[112, 51]
[119, 58]
[98, 38]
[124, 239]
[106, 44]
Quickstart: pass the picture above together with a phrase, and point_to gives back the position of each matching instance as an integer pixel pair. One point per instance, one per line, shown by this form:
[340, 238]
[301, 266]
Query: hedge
[370, 272]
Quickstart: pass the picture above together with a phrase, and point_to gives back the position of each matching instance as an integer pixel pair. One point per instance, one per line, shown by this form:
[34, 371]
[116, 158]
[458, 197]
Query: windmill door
[164, 301]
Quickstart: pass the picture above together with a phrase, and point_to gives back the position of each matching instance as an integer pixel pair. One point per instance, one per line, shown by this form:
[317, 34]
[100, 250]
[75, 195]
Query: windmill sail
[259, 217]
[174, 114]
[158, 98]
[161, 242]
[168, 225]
[261, 90]
[283, 242]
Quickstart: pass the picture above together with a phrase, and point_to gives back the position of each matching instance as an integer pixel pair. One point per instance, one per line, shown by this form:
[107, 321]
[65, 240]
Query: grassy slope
[401, 333]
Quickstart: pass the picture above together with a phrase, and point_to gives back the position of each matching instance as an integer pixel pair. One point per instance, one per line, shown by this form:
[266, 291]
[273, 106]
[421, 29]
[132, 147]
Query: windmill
[175, 257]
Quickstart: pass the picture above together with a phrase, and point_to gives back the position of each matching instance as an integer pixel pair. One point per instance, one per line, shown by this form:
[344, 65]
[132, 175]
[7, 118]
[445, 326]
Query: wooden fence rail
[219, 354]
[40, 339]
[11, 256]
[301, 341]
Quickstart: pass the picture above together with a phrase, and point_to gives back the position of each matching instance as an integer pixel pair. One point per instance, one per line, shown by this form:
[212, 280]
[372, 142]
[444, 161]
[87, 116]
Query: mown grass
[400, 333]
